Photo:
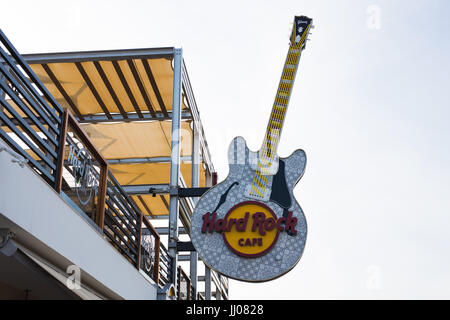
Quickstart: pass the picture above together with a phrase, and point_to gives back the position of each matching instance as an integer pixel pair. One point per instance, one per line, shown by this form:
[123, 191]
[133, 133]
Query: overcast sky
[370, 106]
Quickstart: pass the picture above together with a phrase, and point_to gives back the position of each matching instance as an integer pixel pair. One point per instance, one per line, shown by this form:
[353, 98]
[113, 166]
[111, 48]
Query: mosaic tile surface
[288, 250]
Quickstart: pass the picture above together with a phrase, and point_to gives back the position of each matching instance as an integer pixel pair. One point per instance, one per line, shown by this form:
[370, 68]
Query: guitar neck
[282, 97]
[268, 151]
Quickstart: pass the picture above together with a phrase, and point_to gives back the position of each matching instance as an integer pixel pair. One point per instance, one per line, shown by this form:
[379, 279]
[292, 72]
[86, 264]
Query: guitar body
[288, 247]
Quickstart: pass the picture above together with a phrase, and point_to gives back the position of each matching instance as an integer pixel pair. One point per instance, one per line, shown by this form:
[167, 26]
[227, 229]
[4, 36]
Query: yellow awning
[124, 105]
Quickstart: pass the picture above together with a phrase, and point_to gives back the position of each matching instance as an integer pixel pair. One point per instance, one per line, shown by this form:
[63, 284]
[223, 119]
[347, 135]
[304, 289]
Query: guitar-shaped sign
[249, 227]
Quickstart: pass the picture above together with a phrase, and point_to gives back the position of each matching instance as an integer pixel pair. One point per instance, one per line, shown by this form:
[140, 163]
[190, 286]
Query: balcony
[93, 145]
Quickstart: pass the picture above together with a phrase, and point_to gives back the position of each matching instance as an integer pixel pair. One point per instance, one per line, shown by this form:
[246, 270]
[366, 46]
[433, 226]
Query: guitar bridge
[261, 194]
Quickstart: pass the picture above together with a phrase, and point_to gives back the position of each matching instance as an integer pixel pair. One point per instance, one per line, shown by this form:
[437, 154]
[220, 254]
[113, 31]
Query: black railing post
[61, 151]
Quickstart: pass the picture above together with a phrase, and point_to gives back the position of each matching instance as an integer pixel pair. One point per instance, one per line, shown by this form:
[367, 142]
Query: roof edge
[99, 55]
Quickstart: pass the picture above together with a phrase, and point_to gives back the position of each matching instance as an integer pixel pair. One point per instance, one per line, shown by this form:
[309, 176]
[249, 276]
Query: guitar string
[287, 73]
[295, 58]
[279, 101]
[292, 59]
[281, 116]
[277, 119]
[279, 105]
[264, 147]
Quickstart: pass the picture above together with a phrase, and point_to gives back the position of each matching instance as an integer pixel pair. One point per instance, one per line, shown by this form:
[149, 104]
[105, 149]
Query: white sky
[370, 107]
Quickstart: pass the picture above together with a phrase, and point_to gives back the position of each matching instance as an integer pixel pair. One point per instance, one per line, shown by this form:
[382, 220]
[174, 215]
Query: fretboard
[282, 97]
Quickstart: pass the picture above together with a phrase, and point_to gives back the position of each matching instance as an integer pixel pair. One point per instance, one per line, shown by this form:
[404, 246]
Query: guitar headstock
[300, 29]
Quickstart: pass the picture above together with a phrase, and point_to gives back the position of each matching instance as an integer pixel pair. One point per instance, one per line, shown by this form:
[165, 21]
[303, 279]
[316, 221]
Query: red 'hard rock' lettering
[261, 223]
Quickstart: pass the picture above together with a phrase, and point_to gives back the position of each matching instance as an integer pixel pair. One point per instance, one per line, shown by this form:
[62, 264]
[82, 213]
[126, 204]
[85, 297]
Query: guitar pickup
[265, 166]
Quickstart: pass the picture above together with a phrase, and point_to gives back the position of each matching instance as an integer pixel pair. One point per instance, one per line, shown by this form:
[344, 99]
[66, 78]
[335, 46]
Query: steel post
[207, 283]
[195, 184]
[208, 270]
[175, 162]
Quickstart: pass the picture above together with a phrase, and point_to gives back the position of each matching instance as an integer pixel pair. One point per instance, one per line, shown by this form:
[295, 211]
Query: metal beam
[195, 186]
[102, 118]
[131, 116]
[55, 110]
[217, 281]
[204, 294]
[186, 257]
[165, 231]
[146, 189]
[191, 192]
[175, 163]
[185, 246]
[125, 85]
[207, 283]
[160, 216]
[155, 189]
[207, 269]
[185, 213]
[145, 206]
[196, 116]
[146, 160]
[102, 55]
[2, 93]
[165, 202]
[141, 86]
[111, 91]
[151, 77]
[62, 90]
[93, 89]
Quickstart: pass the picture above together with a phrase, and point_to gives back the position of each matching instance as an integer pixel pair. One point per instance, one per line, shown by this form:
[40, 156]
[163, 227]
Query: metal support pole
[209, 183]
[175, 162]
[207, 283]
[208, 178]
[195, 184]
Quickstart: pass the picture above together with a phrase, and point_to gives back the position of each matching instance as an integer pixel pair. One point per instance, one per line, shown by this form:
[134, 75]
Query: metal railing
[124, 227]
[150, 250]
[83, 175]
[165, 267]
[191, 291]
[122, 221]
[184, 289]
[30, 118]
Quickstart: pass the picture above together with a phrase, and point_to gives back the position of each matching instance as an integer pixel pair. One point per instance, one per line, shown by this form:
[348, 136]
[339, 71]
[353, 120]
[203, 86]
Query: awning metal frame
[99, 55]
